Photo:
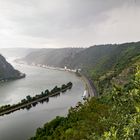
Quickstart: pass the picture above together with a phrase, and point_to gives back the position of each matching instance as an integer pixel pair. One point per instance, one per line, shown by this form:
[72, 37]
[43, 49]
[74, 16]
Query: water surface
[22, 124]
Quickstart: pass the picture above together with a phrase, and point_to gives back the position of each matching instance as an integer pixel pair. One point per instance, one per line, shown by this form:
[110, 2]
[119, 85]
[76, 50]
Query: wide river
[22, 124]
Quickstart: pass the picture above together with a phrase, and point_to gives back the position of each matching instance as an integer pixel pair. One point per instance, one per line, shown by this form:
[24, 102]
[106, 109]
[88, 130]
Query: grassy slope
[121, 71]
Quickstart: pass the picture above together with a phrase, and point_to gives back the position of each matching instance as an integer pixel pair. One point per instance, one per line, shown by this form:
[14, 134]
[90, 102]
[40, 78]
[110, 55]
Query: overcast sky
[68, 23]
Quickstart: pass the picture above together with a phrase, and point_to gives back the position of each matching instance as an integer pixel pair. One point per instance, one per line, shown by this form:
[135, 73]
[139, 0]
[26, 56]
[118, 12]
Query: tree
[29, 98]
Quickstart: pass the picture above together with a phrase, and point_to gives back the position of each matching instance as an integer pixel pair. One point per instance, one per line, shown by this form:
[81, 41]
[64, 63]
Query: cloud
[65, 23]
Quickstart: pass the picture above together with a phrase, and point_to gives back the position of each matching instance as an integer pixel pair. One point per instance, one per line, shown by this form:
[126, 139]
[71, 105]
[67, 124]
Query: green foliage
[120, 74]
[80, 122]
[114, 116]
[124, 118]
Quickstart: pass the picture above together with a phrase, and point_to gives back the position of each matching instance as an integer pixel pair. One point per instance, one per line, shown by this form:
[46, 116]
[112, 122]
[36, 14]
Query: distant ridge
[98, 57]
[52, 57]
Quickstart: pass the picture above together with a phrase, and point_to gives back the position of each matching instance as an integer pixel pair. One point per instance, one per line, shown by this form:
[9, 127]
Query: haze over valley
[69, 70]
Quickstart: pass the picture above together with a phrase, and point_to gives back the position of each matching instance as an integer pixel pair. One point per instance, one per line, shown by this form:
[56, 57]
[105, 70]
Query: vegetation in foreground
[114, 116]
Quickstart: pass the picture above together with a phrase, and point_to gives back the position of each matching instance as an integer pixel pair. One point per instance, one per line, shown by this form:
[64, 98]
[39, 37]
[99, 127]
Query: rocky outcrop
[7, 72]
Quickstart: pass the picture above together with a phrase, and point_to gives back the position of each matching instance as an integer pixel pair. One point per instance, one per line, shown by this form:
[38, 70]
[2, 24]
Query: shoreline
[22, 75]
[88, 85]
[46, 66]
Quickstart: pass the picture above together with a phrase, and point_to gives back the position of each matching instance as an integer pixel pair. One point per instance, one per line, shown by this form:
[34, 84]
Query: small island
[29, 101]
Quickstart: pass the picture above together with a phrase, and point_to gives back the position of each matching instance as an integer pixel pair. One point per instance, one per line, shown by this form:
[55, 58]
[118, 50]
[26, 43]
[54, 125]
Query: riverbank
[88, 83]
[46, 66]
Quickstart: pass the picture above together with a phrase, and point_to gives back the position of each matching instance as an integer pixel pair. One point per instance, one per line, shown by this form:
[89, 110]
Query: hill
[101, 58]
[96, 59]
[115, 115]
[96, 62]
[52, 57]
[7, 72]
[105, 62]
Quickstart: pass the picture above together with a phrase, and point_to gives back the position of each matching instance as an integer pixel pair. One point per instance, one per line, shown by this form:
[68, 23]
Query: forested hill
[106, 64]
[98, 58]
[102, 57]
[98, 62]
[7, 71]
[115, 115]
[52, 57]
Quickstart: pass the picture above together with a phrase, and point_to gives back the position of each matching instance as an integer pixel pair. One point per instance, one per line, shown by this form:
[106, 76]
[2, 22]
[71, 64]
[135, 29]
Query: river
[22, 124]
